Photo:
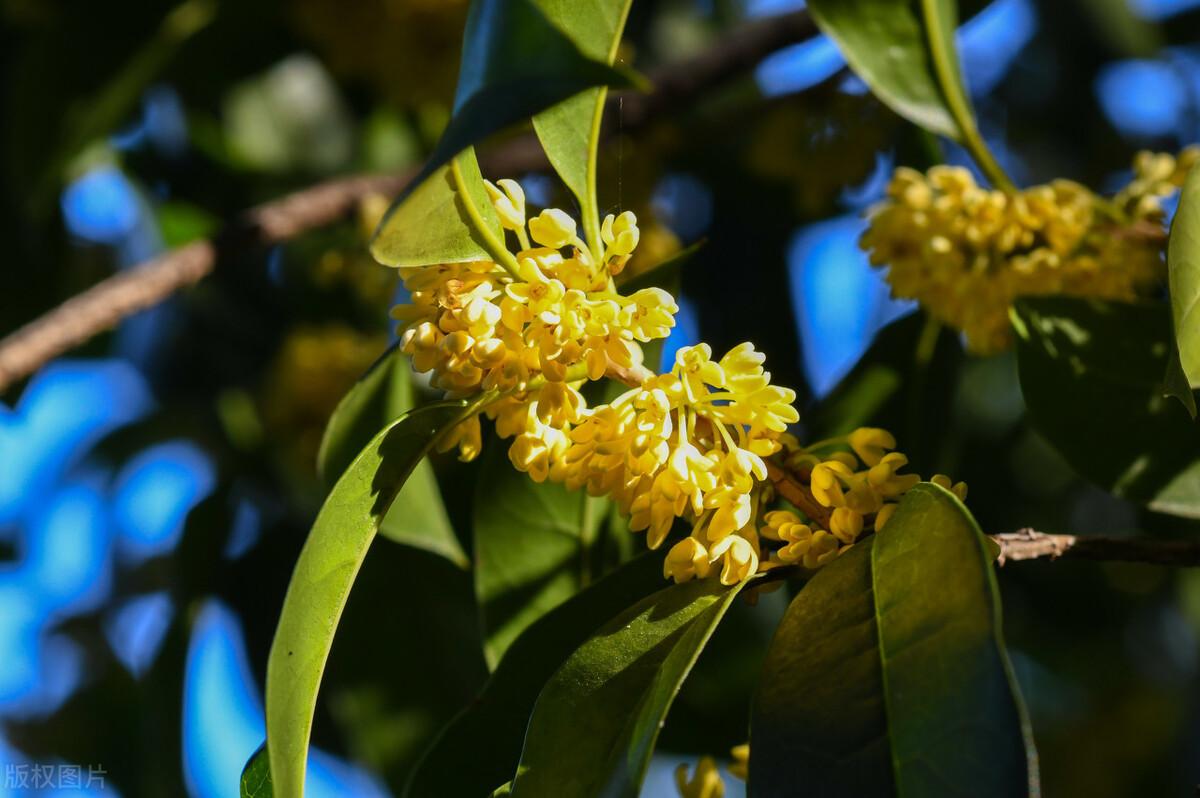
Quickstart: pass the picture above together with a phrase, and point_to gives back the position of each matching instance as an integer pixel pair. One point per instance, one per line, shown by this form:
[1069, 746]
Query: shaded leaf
[325, 572]
[1183, 263]
[595, 723]
[888, 675]
[1125, 435]
[532, 547]
[418, 516]
[493, 727]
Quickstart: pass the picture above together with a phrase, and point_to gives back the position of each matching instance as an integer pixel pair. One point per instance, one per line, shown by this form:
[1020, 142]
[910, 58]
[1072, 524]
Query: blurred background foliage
[155, 486]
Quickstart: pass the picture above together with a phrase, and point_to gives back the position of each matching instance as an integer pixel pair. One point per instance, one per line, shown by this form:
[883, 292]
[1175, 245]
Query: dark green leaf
[256, 776]
[493, 727]
[532, 547]
[1091, 373]
[888, 675]
[325, 572]
[596, 721]
[1183, 262]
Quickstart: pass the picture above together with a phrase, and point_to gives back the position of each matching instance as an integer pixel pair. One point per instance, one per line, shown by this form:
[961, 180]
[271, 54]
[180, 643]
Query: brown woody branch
[105, 304]
[1029, 544]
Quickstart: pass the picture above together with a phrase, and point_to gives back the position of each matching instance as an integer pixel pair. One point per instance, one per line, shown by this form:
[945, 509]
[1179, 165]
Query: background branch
[1029, 544]
[105, 304]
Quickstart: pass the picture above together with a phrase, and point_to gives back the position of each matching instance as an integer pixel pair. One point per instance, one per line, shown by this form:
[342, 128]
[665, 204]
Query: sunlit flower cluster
[966, 252]
[849, 487]
[688, 443]
[538, 330]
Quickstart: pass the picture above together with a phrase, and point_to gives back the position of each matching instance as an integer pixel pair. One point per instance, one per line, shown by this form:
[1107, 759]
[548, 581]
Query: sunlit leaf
[1183, 262]
[493, 726]
[887, 44]
[1091, 373]
[429, 225]
[888, 674]
[569, 131]
[324, 574]
[596, 721]
[532, 547]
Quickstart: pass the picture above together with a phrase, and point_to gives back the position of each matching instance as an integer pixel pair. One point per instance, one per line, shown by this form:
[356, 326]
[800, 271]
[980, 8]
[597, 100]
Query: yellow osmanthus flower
[536, 334]
[705, 782]
[854, 492]
[688, 443]
[966, 252]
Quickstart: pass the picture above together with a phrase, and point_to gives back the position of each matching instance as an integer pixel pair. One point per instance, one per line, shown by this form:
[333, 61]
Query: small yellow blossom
[687, 560]
[737, 557]
[705, 781]
[740, 769]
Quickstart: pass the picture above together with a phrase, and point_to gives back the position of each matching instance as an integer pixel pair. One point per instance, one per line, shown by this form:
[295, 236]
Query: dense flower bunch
[698, 442]
[966, 252]
[686, 443]
[537, 332]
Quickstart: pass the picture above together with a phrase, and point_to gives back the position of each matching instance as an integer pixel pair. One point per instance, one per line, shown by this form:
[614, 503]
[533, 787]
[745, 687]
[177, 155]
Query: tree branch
[1029, 544]
[105, 304]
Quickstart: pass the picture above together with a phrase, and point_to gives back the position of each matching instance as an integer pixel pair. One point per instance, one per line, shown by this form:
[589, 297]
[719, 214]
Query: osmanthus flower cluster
[699, 442]
[705, 781]
[966, 252]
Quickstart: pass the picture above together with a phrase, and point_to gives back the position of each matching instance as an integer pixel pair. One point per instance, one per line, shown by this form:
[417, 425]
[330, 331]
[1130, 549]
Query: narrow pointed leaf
[532, 547]
[888, 674]
[418, 516]
[595, 723]
[1183, 262]
[1127, 437]
[324, 574]
[516, 63]
[569, 131]
[886, 44]
[493, 726]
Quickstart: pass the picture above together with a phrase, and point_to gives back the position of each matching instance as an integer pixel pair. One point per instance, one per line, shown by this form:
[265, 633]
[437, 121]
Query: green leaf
[515, 63]
[418, 516]
[430, 224]
[256, 776]
[382, 394]
[888, 674]
[1175, 383]
[492, 728]
[570, 131]
[1091, 373]
[532, 547]
[596, 721]
[1183, 263]
[325, 572]
[905, 51]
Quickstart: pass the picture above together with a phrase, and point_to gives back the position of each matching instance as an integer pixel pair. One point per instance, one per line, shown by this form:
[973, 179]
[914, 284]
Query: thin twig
[1029, 544]
[105, 304]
